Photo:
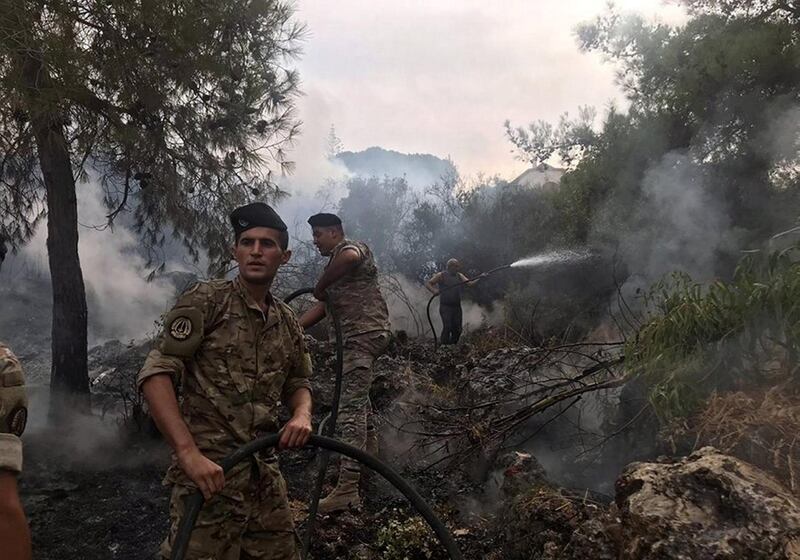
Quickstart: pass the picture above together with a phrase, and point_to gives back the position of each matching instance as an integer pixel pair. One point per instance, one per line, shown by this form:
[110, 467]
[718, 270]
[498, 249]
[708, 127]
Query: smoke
[782, 144]
[408, 301]
[87, 442]
[317, 183]
[122, 303]
[682, 225]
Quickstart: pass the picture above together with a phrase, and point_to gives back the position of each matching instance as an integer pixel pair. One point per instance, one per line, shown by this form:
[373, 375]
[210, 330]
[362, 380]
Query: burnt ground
[114, 508]
[77, 510]
[96, 492]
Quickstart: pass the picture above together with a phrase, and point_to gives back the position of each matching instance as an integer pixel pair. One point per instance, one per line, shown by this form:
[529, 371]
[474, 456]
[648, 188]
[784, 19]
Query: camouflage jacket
[356, 297]
[13, 410]
[240, 364]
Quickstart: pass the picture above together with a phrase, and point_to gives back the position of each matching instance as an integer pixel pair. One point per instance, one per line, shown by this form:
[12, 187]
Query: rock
[707, 505]
[520, 472]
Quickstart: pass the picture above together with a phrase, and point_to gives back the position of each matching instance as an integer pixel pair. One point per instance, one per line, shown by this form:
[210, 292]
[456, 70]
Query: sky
[441, 76]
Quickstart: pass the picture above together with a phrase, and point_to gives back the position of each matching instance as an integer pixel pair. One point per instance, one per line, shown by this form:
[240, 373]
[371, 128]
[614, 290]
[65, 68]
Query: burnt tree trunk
[69, 381]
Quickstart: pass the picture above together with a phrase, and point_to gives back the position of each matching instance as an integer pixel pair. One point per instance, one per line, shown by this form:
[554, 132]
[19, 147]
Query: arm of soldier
[298, 429]
[161, 373]
[14, 532]
[313, 315]
[432, 283]
[297, 395]
[463, 278]
[347, 259]
[160, 395]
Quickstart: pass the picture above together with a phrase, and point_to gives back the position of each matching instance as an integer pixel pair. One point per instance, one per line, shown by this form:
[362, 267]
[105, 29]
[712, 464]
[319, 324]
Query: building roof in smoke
[539, 177]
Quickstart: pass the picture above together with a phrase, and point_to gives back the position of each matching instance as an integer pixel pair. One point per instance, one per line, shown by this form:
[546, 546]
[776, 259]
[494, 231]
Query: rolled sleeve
[157, 363]
[10, 453]
[299, 377]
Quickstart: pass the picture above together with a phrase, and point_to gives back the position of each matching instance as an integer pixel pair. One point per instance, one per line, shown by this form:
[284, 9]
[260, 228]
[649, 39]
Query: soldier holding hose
[349, 285]
[449, 284]
[236, 353]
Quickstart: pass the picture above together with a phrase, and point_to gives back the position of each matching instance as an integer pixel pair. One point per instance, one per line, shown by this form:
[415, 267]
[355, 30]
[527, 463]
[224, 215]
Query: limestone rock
[707, 505]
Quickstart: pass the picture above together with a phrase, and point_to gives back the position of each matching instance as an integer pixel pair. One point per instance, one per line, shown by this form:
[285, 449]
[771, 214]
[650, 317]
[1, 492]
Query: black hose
[330, 425]
[194, 503]
[434, 296]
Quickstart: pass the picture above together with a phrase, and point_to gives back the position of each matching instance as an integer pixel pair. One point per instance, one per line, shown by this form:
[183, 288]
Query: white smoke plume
[679, 224]
[122, 304]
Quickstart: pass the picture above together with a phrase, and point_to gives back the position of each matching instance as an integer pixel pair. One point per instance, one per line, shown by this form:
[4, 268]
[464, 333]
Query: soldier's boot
[345, 495]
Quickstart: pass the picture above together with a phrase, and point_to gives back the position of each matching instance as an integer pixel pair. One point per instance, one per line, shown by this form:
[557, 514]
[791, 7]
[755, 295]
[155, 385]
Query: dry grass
[758, 426]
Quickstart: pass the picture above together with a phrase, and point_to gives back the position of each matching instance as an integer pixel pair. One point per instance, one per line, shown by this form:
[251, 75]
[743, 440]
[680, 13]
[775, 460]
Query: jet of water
[553, 257]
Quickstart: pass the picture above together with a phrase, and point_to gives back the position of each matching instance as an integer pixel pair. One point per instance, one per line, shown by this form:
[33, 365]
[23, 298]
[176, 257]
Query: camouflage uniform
[232, 380]
[13, 410]
[358, 303]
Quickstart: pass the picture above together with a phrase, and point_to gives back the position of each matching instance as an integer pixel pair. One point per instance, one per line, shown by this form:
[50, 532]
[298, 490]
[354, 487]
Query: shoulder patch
[17, 420]
[183, 332]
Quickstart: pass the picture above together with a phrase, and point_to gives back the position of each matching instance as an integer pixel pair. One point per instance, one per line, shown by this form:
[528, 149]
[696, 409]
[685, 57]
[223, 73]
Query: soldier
[449, 284]
[14, 534]
[236, 353]
[349, 286]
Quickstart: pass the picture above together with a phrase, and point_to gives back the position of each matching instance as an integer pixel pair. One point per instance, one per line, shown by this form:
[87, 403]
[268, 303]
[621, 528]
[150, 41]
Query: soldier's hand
[296, 432]
[204, 472]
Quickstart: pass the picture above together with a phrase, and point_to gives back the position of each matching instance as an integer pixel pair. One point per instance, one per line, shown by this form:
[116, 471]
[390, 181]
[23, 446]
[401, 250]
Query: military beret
[324, 220]
[256, 214]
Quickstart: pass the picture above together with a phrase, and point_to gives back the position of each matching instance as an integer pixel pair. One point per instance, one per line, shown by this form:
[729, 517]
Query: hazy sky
[441, 76]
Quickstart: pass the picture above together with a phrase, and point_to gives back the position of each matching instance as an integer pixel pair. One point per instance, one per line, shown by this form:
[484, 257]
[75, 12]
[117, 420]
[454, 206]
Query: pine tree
[178, 107]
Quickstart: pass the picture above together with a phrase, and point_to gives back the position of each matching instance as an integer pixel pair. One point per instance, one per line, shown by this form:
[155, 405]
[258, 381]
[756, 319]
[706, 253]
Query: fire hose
[330, 425]
[434, 296]
[194, 503]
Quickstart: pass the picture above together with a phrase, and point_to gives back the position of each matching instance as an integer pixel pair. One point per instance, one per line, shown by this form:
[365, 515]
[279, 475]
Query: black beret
[324, 220]
[256, 214]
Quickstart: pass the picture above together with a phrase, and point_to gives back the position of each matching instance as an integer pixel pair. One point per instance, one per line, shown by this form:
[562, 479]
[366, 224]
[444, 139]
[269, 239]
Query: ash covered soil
[80, 510]
[95, 491]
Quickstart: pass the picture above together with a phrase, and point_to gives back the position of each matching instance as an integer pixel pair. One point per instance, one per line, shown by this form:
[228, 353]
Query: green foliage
[703, 338]
[540, 141]
[176, 106]
[721, 91]
[407, 539]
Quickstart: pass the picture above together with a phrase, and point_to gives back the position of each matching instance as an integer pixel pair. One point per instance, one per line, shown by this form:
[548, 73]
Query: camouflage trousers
[355, 408]
[249, 519]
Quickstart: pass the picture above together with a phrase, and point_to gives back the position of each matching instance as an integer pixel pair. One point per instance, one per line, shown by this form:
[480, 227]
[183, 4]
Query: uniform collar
[273, 313]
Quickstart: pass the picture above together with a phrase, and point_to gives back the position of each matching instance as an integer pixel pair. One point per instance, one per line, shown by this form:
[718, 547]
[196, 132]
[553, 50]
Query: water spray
[544, 259]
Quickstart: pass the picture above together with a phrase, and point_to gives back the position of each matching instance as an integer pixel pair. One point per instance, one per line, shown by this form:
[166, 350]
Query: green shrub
[703, 338]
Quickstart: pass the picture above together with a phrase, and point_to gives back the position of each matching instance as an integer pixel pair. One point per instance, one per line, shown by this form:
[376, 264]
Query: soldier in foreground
[349, 286]
[236, 353]
[15, 538]
[449, 284]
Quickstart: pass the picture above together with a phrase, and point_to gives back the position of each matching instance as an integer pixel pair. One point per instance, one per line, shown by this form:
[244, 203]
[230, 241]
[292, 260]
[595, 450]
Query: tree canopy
[176, 106]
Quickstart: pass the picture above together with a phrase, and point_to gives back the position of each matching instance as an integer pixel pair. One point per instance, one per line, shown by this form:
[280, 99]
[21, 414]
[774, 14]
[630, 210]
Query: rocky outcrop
[705, 506]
